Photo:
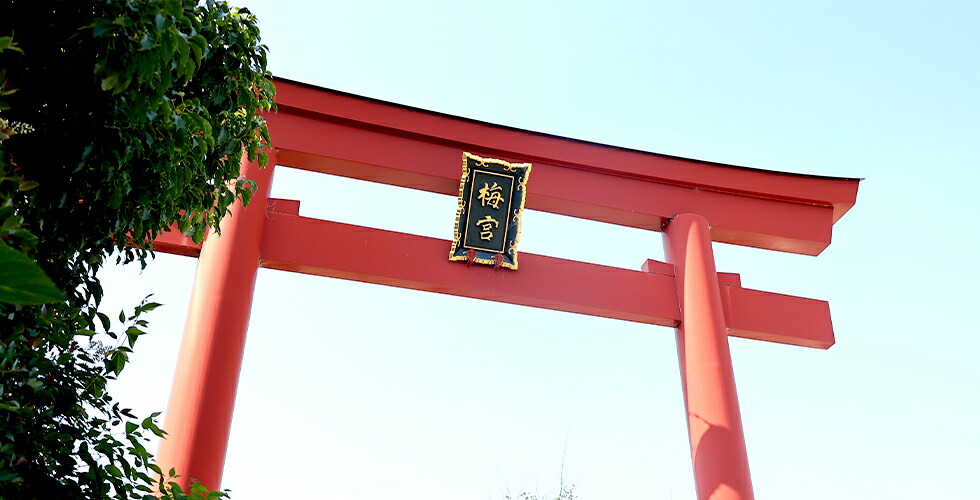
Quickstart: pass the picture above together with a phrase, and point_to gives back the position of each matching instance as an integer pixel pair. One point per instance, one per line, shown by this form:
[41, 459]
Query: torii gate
[692, 202]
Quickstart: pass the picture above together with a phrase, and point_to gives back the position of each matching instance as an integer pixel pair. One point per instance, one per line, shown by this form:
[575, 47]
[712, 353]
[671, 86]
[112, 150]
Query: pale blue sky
[362, 392]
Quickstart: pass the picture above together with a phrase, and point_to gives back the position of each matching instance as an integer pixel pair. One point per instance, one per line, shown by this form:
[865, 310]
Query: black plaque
[488, 220]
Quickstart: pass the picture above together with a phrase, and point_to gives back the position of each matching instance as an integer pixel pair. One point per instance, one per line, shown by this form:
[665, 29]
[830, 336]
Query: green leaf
[23, 282]
[198, 53]
[115, 197]
[245, 194]
[133, 333]
[11, 222]
[105, 321]
[223, 135]
[5, 41]
[149, 306]
[98, 386]
[147, 43]
[183, 57]
[131, 427]
[116, 361]
[109, 82]
[101, 26]
[200, 42]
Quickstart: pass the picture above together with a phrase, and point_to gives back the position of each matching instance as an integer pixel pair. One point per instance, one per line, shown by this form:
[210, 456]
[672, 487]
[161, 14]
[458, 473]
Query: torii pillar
[693, 203]
[202, 397]
[714, 423]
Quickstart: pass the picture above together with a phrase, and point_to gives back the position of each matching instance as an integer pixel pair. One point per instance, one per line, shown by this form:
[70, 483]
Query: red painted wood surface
[202, 397]
[420, 263]
[173, 242]
[714, 421]
[333, 249]
[331, 132]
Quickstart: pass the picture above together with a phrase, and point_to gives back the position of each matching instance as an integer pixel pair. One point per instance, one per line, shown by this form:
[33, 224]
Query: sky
[352, 391]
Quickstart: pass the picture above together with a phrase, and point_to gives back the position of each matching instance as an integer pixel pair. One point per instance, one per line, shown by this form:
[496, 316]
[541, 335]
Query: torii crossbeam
[691, 202]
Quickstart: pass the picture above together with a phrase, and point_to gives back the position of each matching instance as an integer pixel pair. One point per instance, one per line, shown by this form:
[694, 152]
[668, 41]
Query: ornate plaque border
[512, 230]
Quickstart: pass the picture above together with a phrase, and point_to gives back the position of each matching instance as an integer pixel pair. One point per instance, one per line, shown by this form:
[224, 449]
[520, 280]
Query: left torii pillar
[202, 398]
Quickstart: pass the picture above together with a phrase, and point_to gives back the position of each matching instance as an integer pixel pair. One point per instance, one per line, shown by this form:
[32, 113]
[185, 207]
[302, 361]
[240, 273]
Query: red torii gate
[692, 202]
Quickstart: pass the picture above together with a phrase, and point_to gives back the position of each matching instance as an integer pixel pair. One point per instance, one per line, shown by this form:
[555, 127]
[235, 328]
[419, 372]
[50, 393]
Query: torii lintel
[319, 247]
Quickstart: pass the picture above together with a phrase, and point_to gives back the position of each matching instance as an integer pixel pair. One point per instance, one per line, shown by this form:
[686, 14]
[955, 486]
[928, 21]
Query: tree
[117, 119]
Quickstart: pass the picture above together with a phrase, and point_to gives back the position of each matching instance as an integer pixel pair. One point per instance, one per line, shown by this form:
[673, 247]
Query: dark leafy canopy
[117, 118]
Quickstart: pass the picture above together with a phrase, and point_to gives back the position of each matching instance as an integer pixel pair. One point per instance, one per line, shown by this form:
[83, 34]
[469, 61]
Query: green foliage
[117, 118]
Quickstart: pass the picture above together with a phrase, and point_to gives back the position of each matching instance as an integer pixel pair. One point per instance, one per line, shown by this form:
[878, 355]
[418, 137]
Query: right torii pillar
[714, 423]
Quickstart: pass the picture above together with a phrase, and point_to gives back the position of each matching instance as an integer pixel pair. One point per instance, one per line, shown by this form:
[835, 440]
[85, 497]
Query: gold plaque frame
[507, 254]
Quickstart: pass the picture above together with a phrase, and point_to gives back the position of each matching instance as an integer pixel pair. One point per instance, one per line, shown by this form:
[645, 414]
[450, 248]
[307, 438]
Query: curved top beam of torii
[333, 132]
